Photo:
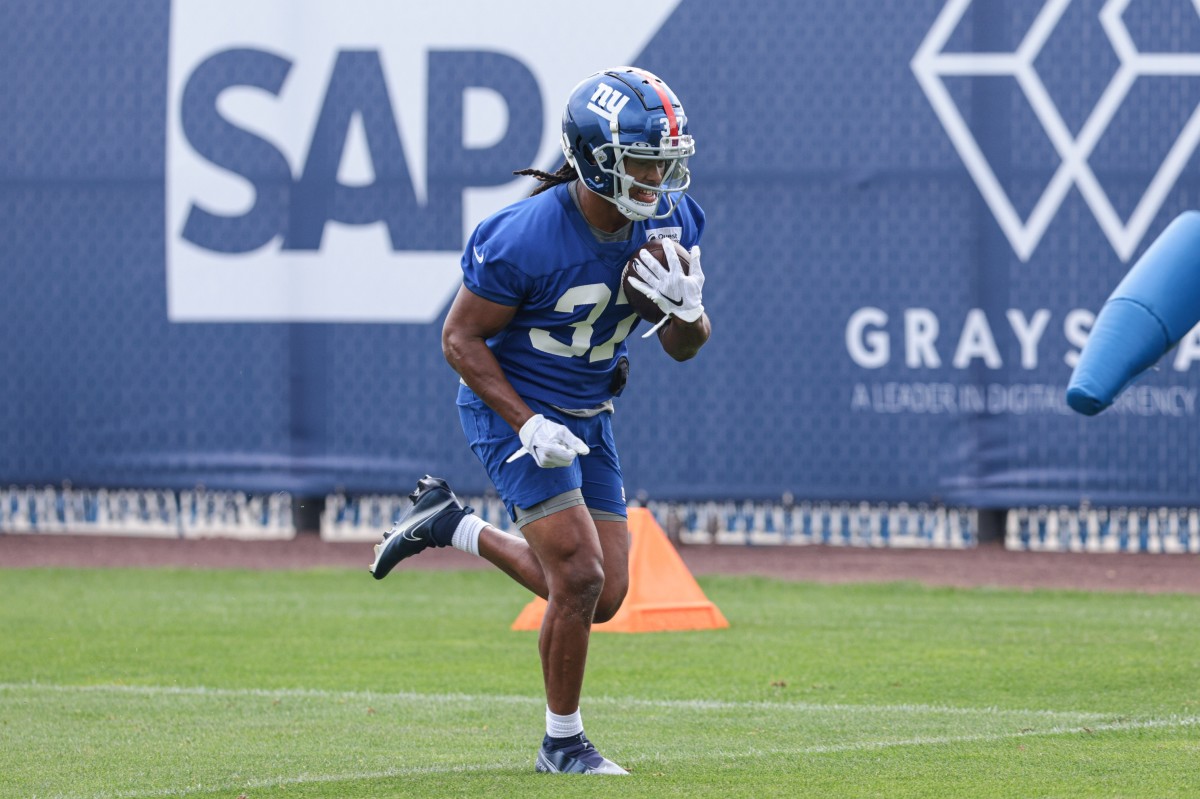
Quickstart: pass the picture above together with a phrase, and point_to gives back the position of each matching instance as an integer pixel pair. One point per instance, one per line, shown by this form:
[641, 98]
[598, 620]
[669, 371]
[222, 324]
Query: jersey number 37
[598, 296]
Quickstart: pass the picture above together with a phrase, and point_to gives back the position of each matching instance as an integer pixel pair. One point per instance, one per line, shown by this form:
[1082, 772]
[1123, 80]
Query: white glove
[550, 443]
[675, 293]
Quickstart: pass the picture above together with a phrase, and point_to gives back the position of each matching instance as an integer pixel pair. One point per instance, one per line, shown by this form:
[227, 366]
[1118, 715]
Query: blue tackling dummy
[1147, 314]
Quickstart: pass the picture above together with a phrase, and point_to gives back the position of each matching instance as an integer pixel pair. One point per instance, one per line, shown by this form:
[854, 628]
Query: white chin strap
[639, 212]
[629, 207]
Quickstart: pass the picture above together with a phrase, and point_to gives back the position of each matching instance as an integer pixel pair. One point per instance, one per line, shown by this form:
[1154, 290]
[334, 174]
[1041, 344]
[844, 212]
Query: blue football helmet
[628, 113]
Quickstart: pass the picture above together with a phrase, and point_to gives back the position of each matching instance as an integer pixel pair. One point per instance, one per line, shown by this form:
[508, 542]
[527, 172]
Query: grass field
[170, 683]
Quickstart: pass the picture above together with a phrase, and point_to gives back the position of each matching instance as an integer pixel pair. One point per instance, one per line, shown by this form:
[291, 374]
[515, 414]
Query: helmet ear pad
[588, 174]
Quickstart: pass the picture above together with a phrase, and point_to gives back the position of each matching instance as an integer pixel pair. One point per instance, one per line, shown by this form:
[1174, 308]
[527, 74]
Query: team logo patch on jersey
[675, 233]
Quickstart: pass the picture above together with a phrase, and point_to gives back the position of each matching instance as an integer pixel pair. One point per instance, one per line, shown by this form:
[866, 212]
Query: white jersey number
[598, 296]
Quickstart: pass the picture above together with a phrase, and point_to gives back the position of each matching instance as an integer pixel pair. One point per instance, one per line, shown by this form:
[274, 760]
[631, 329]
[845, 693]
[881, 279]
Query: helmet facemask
[673, 153]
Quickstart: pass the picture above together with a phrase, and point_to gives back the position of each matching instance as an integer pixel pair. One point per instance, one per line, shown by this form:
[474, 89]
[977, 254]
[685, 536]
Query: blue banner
[229, 233]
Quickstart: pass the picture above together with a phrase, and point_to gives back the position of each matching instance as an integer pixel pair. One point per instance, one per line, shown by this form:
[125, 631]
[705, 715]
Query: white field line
[306, 779]
[459, 699]
[1080, 719]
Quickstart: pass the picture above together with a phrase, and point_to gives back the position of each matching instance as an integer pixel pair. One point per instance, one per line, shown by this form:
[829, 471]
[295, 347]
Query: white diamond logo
[931, 65]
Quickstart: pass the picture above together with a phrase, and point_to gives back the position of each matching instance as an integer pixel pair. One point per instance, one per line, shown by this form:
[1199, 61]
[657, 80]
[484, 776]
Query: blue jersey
[572, 318]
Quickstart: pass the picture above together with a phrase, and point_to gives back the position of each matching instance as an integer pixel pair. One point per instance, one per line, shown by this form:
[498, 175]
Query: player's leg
[603, 489]
[568, 546]
[614, 544]
[512, 555]
[566, 628]
[581, 541]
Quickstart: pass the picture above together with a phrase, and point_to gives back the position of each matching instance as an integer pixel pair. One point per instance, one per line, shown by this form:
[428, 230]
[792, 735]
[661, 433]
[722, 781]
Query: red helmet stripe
[657, 84]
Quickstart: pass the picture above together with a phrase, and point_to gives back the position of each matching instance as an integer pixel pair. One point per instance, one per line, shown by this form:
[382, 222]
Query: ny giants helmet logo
[932, 64]
[607, 102]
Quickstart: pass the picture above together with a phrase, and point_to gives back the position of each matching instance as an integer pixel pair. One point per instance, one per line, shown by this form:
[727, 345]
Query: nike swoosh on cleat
[417, 518]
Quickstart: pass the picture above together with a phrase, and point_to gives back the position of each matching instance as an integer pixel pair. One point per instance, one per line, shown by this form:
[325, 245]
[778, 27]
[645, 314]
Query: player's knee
[579, 584]
[608, 605]
[586, 579]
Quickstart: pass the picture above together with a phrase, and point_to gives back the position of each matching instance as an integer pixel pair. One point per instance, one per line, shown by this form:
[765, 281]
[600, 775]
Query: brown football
[643, 305]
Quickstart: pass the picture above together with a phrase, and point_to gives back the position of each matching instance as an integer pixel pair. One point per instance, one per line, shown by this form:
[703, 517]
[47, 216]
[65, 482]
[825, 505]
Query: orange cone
[662, 596]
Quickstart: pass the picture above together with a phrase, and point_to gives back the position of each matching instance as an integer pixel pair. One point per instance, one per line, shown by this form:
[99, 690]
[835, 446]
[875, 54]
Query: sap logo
[933, 63]
[327, 164]
[297, 208]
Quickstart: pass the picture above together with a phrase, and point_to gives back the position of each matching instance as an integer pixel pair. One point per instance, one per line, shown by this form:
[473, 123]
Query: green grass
[326, 684]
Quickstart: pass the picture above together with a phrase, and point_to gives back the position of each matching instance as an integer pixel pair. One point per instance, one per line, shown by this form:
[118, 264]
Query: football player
[537, 334]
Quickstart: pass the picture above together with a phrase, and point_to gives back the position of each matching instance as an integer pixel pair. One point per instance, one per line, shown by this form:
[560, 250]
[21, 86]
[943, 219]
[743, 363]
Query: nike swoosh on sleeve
[478, 255]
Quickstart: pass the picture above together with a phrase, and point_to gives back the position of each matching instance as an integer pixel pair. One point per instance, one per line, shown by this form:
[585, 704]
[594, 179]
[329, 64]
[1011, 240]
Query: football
[643, 305]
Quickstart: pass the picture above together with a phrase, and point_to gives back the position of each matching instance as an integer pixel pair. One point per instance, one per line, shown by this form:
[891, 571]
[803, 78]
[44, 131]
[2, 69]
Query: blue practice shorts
[523, 483]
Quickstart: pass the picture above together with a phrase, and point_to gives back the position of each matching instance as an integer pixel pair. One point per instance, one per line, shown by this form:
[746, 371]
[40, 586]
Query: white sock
[563, 726]
[466, 535]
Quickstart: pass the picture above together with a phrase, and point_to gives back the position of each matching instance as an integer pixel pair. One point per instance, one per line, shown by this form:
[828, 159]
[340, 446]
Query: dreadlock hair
[548, 180]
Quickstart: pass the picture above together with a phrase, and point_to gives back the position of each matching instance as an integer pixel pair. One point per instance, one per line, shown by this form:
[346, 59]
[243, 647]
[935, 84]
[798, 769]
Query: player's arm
[471, 322]
[682, 340]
